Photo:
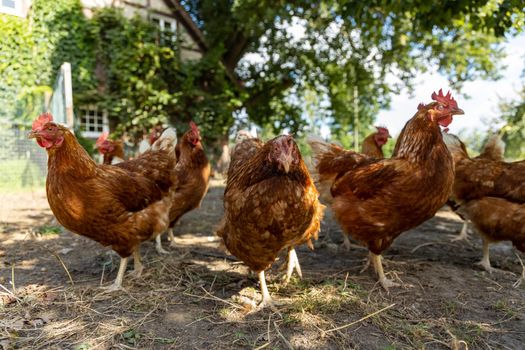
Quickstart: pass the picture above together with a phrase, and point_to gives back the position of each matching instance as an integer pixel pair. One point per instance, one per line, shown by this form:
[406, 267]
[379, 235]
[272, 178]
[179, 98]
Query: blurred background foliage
[280, 66]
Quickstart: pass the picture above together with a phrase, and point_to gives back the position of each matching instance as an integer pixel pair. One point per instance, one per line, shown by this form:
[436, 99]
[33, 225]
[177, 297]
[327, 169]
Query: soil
[196, 296]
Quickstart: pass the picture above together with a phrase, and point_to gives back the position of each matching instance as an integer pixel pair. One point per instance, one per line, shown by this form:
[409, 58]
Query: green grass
[20, 175]
[49, 230]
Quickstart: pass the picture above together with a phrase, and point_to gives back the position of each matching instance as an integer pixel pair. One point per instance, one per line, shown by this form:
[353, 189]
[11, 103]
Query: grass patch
[49, 230]
[20, 175]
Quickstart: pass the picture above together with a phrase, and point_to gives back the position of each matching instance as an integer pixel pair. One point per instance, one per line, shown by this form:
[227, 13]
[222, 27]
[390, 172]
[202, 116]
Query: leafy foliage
[16, 54]
[292, 67]
[513, 132]
[331, 48]
[61, 34]
[34, 49]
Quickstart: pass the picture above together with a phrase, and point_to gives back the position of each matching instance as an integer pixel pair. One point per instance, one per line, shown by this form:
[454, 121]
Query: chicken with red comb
[375, 200]
[119, 206]
[193, 172]
[112, 151]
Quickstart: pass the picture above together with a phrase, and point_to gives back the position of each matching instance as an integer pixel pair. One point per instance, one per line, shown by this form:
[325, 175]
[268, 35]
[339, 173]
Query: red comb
[103, 137]
[194, 127]
[445, 99]
[381, 129]
[41, 121]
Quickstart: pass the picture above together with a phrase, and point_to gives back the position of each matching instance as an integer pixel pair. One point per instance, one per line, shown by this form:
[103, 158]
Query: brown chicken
[270, 204]
[491, 194]
[119, 206]
[112, 151]
[494, 150]
[373, 147]
[373, 144]
[376, 200]
[193, 174]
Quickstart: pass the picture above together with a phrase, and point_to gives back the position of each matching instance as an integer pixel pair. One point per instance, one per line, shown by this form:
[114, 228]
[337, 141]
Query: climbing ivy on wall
[33, 49]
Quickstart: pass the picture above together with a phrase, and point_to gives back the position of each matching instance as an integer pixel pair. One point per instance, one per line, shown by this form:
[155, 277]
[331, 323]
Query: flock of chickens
[271, 202]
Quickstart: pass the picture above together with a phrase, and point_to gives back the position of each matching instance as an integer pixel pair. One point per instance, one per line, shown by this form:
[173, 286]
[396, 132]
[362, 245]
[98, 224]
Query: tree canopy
[285, 52]
[513, 130]
[279, 65]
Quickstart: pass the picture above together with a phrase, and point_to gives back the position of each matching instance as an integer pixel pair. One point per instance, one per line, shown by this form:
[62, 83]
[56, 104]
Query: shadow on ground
[190, 298]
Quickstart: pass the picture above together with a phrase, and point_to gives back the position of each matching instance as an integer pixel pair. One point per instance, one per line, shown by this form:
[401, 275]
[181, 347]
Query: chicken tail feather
[167, 140]
[455, 146]
[494, 148]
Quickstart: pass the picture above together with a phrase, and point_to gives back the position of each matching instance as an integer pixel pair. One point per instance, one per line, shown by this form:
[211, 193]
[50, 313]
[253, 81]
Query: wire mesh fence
[23, 164]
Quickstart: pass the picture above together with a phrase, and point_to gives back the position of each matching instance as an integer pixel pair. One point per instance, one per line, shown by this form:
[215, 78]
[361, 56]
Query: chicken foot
[292, 263]
[463, 234]
[485, 261]
[117, 284]
[158, 242]
[266, 298]
[378, 267]
[158, 245]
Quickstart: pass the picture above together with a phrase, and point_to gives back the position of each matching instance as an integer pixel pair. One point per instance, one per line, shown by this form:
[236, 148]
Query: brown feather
[376, 200]
[116, 206]
[371, 148]
[267, 209]
[497, 219]
[490, 192]
[480, 177]
[193, 174]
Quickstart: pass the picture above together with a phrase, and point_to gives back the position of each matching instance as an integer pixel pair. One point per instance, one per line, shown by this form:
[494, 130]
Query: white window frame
[17, 11]
[84, 126]
[164, 22]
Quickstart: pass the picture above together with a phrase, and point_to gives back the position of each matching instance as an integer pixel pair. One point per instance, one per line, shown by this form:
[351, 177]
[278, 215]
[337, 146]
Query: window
[93, 121]
[12, 7]
[167, 27]
[9, 4]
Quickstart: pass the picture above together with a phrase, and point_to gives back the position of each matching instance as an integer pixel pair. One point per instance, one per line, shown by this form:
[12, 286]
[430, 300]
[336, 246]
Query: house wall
[148, 9]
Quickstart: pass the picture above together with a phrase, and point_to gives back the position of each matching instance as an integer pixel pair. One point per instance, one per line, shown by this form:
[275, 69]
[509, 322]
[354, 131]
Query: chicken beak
[285, 160]
[32, 134]
[457, 111]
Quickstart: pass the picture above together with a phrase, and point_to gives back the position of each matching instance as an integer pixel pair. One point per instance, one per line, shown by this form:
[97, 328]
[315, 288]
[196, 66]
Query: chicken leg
[378, 267]
[137, 264]
[117, 284]
[171, 237]
[463, 234]
[266, 298]
[366, 265]
[485, 261]
[346, 243]
[158, 245]
[293, 263]
[522, 277]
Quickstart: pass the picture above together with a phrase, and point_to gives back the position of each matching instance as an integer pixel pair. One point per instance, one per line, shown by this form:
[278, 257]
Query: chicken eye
[440, 107]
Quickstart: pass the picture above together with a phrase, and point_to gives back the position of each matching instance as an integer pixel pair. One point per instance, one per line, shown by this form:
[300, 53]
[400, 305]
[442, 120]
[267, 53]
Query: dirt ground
[190, 299]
